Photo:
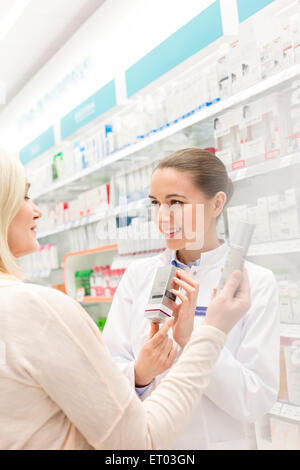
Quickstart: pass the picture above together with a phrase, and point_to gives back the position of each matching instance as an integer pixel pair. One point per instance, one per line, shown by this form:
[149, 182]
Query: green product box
[82, 280]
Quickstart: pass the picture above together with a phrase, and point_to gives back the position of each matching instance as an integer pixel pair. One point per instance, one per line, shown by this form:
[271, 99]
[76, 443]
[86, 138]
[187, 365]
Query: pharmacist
[245, 380]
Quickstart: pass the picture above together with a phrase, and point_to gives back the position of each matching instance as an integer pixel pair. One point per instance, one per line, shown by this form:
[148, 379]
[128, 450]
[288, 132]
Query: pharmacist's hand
[157, 355]
[232, 303]
[184, 313]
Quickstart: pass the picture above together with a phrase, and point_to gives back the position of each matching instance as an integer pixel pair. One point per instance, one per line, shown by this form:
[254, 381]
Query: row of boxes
[260, 130]
[276, 217]
[289, 297]
[263, 48]
[86, 204]
[250, 133]
[290, 370]
[44, 260]
[101, 281]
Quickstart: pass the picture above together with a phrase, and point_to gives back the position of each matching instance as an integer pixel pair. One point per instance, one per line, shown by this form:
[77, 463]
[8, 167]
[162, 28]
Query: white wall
[118, 34]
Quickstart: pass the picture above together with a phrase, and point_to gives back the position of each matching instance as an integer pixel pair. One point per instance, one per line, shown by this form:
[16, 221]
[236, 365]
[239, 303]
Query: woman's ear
[219, 203]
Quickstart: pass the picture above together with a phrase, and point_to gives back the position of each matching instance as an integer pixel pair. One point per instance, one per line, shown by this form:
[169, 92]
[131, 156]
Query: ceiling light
[12, 17]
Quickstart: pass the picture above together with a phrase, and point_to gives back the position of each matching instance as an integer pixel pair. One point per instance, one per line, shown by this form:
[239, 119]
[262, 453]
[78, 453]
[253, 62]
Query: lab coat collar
[208, 258]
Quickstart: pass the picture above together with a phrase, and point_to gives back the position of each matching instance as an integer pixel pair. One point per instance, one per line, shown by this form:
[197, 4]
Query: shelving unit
[120, 159]
[251, 182]
[96, 300]
[85, 260]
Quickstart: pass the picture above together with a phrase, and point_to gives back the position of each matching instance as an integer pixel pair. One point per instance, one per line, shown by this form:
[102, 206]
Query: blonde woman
[59, 386]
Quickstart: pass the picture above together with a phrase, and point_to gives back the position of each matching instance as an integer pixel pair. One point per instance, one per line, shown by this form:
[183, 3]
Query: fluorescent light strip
[12, 17]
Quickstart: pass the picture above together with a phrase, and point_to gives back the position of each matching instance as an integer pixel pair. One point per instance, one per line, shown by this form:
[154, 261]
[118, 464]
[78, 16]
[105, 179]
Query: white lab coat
[245, 381]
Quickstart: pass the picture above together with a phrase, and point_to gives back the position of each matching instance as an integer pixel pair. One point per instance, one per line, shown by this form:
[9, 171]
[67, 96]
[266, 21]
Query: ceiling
[41, 30]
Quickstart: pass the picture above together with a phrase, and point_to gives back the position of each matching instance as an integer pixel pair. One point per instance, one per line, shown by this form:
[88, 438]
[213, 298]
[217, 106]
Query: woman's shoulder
[35, 298]
[38, 305]
[33, 291]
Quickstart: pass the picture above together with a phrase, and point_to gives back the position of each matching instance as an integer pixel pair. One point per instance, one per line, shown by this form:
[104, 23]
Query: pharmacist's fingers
[232, 284]
[161, 335]
[180, 294]
[185, 277]
[154, 329]
[187, 287]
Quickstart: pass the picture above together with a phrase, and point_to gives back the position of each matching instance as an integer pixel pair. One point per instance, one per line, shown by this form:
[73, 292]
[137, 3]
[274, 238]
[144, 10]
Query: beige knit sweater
[60, 388]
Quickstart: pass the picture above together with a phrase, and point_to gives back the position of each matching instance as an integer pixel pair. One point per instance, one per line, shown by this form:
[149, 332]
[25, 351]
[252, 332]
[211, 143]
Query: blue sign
[38, 146]
[248, 8]
[201, 31]
[93, 107]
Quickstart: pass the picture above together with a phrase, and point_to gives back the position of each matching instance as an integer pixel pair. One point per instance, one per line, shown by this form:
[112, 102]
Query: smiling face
[183, 213]
[22, 230]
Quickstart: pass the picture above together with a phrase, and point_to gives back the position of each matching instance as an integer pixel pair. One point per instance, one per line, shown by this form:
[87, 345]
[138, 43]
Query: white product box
[121, 189]
[224, 82]
[252, 133]
[59, 212]
[274, 216]
[288, 49]
[51, 217]
[296, 310]
[292, 221]
[227, 138]
[290, 110]
[263, 231]
[213, 87]
[284, 219]
[286, 311]
[285, 435]
[267, 59]
[296, 36]
[250, 64]
[234, 215]
[229, 70]
[274, 129]
[292, 362]
[235, 67]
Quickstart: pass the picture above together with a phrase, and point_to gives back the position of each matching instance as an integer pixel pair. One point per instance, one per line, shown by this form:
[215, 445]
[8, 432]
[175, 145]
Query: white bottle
[237, 251]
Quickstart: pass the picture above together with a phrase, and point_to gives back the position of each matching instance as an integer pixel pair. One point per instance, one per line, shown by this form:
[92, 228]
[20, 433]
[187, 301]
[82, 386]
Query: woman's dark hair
[207, 171]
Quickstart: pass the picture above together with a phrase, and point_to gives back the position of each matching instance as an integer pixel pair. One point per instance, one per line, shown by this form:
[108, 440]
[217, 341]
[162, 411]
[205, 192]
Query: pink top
[60, 388]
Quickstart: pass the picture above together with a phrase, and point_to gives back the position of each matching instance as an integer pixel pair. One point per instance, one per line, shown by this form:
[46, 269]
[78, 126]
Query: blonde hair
[12, 192]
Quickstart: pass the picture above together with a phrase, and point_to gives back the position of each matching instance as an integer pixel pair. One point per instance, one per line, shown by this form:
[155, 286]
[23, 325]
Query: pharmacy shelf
[93, 218]
[203, 113]
[43, 274]
[96, 300]
[238, 175]
[290, 331]
[265, 167]
[83, 260]
[280, 247]
[286, 410]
